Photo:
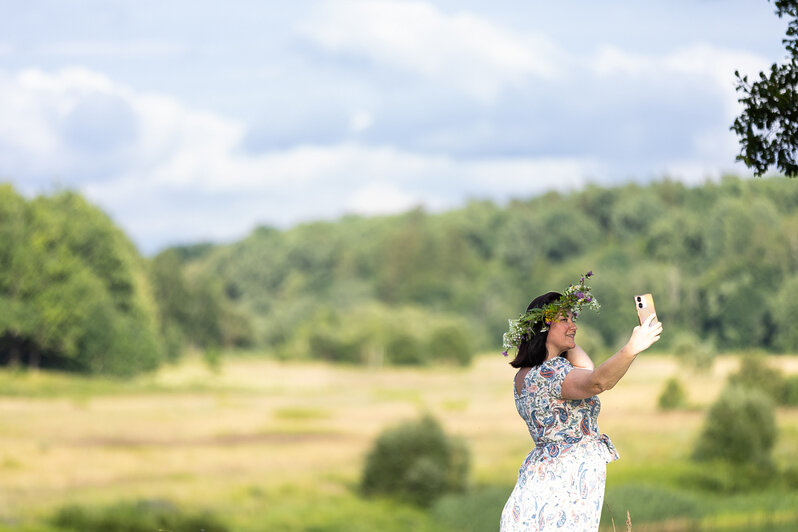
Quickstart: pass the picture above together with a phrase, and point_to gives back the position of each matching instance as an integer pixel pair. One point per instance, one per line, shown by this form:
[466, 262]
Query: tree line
[721, 259]
[76, 295]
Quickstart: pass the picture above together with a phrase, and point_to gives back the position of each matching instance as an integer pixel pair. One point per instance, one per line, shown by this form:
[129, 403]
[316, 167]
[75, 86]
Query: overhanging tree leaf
[768, 126]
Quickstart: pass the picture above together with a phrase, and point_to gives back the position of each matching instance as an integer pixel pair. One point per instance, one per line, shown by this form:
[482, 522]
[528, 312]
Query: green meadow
[260, 444]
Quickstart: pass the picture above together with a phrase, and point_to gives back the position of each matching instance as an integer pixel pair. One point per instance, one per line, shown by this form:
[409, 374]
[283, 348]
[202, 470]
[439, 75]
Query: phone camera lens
[639, 299]
[640, 305]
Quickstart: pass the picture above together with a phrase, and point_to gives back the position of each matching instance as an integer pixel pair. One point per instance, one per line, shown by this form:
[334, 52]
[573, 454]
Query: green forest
[721, 259]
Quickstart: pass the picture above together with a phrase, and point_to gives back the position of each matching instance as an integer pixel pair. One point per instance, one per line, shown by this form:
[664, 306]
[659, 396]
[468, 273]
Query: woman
[561, 483]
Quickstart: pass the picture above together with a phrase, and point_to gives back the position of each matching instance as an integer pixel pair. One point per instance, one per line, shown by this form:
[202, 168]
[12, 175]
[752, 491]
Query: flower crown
[574, 298]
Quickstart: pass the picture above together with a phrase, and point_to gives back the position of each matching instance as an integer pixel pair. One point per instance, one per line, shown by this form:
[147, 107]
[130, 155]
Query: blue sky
[192, 121]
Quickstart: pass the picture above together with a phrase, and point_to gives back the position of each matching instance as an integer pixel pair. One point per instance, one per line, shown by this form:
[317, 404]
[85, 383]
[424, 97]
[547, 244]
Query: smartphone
[644, 304]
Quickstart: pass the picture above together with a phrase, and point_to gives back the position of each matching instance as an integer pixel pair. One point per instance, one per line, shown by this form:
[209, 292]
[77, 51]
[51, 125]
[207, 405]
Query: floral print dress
[561, 483]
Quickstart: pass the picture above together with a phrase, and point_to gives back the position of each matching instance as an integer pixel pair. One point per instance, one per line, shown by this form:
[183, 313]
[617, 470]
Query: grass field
[270, 445]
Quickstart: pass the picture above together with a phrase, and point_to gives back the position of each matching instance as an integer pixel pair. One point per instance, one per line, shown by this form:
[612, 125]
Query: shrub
[647, 502]
[139, 516]
[755, 374]
[790, 476]
[451, 343]
[697, 353]
[784, 309]
[475, 510]
[416, 461]
[789, 392]
[404, 350]
[739, 428]
[725, 477]
[329, 345]
[673, 395]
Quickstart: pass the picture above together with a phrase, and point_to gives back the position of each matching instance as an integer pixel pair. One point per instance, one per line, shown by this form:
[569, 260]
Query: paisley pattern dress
[561, 483]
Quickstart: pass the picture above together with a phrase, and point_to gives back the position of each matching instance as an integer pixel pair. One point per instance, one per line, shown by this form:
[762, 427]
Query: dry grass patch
[199, 435]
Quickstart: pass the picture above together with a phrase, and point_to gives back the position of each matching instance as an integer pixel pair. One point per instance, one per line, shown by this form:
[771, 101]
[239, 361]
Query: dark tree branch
[768, 126]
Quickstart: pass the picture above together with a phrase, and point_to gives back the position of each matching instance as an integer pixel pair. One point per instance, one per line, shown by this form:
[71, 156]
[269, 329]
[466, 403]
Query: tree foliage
[784, 307]
[144, 515]
[416, 461]
[413, 288]
[716, 256]
[768, 126]
[755, 373]
[672, 395]
[195, 309]
[740, 428]
[74, 290]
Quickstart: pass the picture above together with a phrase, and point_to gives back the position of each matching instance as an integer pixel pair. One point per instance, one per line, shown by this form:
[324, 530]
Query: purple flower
[589, 299]
[504, 353]
[580, 295]
[589, 274]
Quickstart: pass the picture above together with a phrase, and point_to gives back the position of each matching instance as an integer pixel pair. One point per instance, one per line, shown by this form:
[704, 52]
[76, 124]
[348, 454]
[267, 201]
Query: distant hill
[721, 260]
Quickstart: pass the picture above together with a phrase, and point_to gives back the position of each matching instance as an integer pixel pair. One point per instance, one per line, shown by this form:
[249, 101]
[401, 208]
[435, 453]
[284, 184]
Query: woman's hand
[643, 336]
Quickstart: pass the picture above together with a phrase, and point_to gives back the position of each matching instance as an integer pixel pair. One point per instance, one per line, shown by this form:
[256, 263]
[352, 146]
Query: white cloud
[693, 63]
[24, 127]
[700, 59]
[72, 81]
[460, 50]
[314, 182]
[111, 48]
[181, 175]
[361, 121]
[518, 177]
[176, 173]
[685, 73]
[612, 61]
[718, 65]
[381, 198]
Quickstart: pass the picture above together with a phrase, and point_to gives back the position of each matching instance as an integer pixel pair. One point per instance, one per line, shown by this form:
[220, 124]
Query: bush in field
[139, 516]
[330, 346]
[416, 461]
[790, 475]
[376, 333]
[477, 509]
[785, 313]
[647, 502]
[696, 353]
[755, 374]
[725, 477]
[451, 343]
[404, 349]
[673, 395]
[789, 394]
[740, 428]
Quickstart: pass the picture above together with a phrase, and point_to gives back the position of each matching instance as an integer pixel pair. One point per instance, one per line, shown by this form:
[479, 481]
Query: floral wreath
[574, 298]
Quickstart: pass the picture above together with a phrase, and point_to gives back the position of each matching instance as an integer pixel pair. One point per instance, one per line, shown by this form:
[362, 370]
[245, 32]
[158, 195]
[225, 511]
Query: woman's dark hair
[532, 351]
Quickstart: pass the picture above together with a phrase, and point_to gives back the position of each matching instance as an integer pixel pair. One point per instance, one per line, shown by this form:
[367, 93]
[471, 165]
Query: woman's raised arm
[583, 383]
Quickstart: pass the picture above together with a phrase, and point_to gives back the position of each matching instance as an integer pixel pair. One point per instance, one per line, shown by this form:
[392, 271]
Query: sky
[193, 121]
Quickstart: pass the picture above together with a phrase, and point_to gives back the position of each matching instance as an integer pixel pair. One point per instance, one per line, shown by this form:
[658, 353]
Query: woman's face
[562, 333]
